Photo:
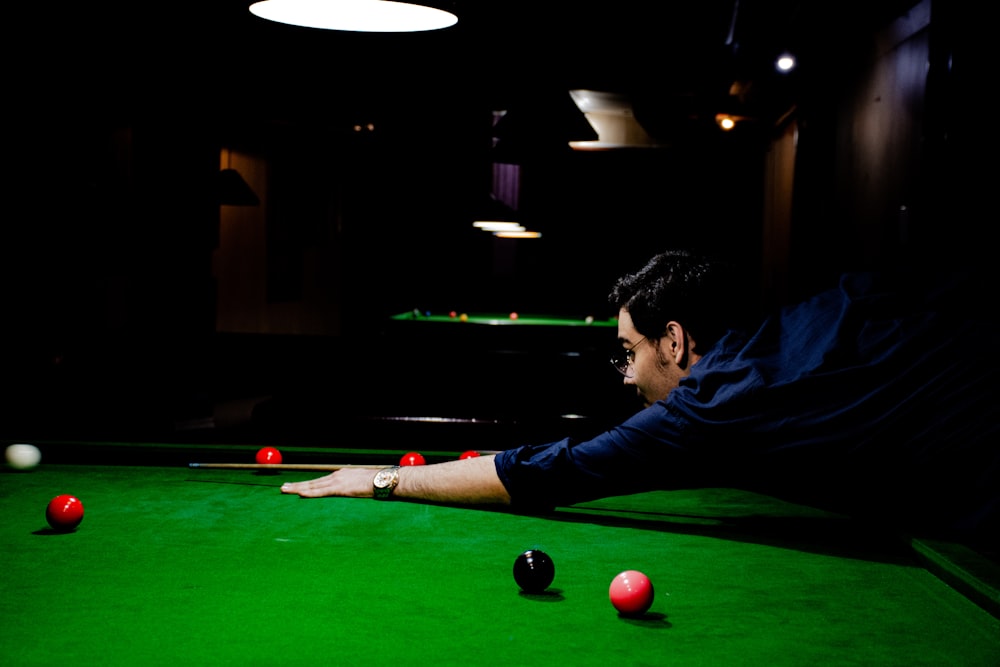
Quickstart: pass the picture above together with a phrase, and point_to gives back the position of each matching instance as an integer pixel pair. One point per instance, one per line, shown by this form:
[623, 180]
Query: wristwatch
[385, 481]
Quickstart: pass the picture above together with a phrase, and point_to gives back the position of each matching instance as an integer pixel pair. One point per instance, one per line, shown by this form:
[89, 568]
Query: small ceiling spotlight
[785, 62]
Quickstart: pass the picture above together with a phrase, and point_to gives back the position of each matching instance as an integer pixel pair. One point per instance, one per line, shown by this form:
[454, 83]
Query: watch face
[385, 481]
[385, 478]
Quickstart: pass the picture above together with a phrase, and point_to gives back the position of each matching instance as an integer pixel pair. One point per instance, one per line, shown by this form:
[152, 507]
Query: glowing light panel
[354, 15]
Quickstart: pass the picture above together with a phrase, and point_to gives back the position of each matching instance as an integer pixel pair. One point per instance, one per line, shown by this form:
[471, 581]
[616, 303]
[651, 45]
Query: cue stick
[301, 466]
[287, 466]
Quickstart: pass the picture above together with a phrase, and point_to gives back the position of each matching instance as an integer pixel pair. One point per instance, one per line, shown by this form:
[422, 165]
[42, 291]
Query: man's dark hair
[692, 289]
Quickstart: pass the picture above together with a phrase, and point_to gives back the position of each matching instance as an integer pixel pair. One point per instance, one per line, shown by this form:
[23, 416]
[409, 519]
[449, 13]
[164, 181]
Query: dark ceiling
[676, 60]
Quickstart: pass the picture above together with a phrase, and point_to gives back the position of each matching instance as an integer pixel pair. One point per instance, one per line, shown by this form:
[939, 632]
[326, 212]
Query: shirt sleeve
[629, 458]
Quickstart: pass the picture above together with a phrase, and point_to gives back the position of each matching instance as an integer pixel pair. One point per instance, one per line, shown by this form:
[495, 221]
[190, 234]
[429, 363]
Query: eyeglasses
[622, 361]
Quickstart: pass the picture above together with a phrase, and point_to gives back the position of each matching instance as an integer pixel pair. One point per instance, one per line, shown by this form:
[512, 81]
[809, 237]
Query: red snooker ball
[631, 593]
[268, 455]
[471, 454]
[64, 512]
[412, 459]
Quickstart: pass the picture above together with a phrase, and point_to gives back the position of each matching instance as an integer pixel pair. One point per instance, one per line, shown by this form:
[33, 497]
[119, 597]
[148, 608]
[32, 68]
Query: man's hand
[346, 482]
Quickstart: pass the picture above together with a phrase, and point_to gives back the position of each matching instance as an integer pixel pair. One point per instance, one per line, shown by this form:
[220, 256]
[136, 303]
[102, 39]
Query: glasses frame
[624, 364]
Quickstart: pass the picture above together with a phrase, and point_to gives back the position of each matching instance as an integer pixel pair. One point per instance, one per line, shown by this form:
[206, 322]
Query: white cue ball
[22, 456]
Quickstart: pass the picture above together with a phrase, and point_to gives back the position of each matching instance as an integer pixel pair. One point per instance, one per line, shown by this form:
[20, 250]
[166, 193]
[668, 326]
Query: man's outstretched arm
[472, 481]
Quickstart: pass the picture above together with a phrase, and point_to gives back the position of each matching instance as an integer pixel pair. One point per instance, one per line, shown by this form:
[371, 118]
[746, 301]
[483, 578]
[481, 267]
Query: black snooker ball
[534, 571]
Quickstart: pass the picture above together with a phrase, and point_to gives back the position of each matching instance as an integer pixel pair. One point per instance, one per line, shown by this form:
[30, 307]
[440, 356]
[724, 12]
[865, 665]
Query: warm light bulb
[354, 15]
[518, 235]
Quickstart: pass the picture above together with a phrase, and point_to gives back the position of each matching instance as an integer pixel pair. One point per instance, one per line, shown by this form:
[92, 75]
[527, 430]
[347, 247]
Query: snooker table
[499, 332]
[535, 367]
[504, 319]
[536, 376]
[174, 565]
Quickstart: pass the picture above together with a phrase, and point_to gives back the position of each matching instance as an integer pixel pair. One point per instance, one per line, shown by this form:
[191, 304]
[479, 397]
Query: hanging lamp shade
[355, 15]
[234, 191]
[492, 209]
[539, 122]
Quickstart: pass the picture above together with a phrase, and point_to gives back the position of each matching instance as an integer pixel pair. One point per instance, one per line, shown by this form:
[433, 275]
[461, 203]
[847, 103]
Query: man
[872, 398]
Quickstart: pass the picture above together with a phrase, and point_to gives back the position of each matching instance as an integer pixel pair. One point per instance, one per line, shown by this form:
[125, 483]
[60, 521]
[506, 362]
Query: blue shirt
[859, 399]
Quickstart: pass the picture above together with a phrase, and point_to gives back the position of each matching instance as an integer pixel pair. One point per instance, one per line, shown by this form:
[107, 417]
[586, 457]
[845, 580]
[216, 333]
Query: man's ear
[678, 344]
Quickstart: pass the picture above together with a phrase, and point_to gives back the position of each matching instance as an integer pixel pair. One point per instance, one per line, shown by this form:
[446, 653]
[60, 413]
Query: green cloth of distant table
[505, 319]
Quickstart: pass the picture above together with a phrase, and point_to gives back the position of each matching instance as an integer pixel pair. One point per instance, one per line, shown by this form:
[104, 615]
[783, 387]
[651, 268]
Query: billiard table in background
[428, 377]
[487, 376]
[494, 319]
[180, 566]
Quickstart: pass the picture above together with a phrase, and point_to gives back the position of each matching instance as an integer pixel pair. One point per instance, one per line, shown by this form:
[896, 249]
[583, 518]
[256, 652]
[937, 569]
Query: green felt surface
[175, 566]
[504, 319]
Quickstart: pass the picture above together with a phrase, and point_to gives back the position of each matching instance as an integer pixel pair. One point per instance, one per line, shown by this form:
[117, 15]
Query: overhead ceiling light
[613, 119]
[492, 211]
[354, 15]
[539, 120]
[518, 235]
[500, 219]
[785, 62]
[497, 226]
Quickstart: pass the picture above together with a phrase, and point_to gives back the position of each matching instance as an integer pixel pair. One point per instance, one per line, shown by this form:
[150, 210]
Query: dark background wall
[126, 298]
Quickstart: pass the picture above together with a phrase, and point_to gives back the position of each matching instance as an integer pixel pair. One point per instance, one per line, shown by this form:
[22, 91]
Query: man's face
[650, 371]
